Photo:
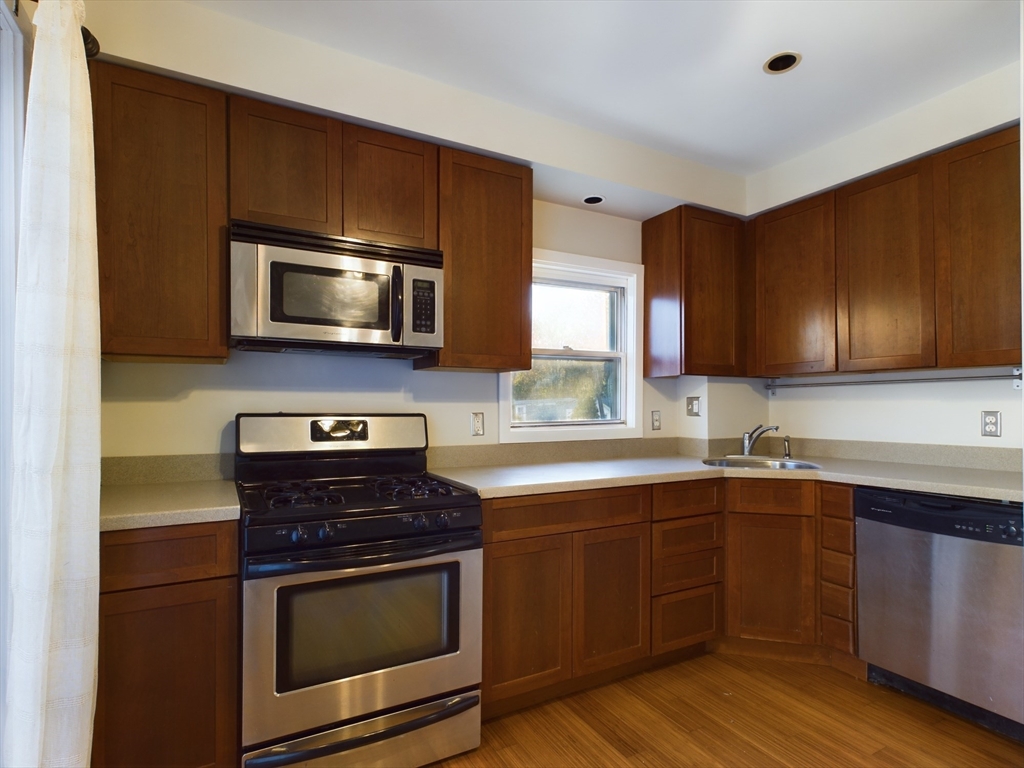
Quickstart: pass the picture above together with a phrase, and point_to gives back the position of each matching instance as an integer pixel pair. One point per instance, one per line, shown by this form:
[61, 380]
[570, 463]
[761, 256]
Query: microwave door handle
[397, 288]
[283, 756]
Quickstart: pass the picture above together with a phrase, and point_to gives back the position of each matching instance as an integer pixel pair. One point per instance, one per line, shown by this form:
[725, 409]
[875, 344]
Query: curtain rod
[771, 385]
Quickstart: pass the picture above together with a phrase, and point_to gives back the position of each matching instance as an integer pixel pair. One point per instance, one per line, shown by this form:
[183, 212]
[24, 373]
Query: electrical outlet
[693, 406]
[991, 423]
[476, 424]
[655, 419]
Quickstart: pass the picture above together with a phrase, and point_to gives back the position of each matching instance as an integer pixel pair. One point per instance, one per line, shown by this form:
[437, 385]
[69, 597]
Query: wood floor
[723, 710]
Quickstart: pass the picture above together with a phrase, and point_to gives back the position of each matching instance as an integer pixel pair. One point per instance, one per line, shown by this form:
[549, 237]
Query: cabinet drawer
[147, 557]
[770, 497]
[837, 535]
[837, 601]
[685, 618]
[690, 534]
[521, 517]
[697, 497]
[838, 634]
[837, 568]
[836, 500]
[671, 574]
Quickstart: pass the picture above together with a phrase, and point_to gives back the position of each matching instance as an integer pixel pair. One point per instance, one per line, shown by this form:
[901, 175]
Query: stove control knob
[326, 533]
[420, 523]
[441, 521]
[299, 535]
[1012, 532]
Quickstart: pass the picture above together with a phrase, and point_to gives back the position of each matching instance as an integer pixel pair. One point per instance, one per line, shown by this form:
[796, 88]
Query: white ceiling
[682, 77]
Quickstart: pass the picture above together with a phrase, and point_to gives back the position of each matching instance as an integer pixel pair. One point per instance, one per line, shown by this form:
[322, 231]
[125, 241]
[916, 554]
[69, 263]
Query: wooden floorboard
[737, 712]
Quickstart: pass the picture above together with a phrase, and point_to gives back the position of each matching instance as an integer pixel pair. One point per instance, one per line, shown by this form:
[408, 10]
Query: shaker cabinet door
[167, 688]
[486, 233]
[390, 189]
[527, 615]
[611, 597]
[796, 288]
[885, 270]
[161, 212]
[977, 252]
[771, 577]
[285, 167]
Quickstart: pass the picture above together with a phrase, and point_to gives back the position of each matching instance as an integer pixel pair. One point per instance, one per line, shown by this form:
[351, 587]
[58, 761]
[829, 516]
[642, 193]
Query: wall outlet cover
[991, 423]
[476, 424]
[655, 419]
[693, 406]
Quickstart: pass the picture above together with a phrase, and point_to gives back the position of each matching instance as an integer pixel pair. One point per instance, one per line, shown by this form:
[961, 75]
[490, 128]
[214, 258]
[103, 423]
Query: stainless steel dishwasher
[940, 596]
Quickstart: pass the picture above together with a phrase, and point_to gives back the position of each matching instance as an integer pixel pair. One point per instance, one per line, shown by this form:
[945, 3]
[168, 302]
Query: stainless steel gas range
[361, 594]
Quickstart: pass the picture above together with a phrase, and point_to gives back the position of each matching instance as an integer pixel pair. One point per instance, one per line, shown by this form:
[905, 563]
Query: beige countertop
[523, 480]
[156, 504]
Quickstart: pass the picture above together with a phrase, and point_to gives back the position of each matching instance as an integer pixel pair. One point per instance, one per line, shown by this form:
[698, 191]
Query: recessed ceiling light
[782, 62]
[593, 199]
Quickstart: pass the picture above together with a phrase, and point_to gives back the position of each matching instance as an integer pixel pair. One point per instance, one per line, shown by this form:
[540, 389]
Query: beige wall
[160, 409]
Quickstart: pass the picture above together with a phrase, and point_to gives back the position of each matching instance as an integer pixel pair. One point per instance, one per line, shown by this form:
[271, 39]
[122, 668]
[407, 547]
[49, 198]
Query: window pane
[579, 318]
[566, 390]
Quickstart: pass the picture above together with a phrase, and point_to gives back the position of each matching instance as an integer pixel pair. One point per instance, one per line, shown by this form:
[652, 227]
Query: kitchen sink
[760, 462]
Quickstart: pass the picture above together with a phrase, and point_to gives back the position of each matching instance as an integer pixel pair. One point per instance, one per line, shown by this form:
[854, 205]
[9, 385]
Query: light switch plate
[693, 406]
[655, 419]
[991, 423]
[476, 424]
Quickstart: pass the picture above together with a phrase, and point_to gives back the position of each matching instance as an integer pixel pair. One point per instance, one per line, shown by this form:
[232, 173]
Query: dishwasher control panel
[977, 519]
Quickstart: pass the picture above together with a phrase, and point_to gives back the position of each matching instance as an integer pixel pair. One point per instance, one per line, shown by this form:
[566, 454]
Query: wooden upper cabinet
[885, 275]
[285, 167]
[486, 233]
[796, 288]
[390, 188]
[693, 270]
[977, 252]
[661, 249]
[161, 210]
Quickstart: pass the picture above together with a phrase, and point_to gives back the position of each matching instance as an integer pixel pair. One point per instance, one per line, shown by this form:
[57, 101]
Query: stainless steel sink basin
[759, 462]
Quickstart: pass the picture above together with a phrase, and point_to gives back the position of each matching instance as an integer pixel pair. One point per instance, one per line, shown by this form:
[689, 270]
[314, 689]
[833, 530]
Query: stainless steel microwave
[294, 290]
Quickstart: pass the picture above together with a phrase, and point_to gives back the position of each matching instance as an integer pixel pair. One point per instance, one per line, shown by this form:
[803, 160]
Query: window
[585, 378]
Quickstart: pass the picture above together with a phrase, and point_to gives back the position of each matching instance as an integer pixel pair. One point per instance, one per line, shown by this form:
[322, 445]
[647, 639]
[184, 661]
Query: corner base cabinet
[771, 556]
[168, 648]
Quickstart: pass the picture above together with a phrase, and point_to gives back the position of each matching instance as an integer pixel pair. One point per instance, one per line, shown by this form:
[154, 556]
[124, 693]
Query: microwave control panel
[423, 306]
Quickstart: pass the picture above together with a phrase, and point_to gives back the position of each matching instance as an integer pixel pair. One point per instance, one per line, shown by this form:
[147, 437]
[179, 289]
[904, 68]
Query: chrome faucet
[750, 438]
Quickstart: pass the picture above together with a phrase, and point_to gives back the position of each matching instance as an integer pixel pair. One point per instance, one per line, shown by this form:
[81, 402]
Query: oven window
[321, 296]
[331, 630]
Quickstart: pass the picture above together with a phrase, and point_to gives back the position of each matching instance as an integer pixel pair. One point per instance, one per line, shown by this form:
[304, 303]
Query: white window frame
[571, 267]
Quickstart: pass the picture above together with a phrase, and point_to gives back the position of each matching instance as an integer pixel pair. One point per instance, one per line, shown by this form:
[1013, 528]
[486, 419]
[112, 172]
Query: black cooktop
[270, 502]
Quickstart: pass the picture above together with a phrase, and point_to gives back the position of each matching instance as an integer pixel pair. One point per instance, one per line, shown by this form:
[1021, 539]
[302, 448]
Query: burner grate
[301, 494]
[398, 488]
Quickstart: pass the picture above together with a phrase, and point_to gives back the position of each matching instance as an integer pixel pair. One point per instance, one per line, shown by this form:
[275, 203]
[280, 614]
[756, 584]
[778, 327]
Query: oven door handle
[360, 556]
[295, 753]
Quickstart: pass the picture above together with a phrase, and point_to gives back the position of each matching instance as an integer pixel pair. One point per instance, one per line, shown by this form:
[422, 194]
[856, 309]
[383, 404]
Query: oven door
[308, 295]
[358, 629]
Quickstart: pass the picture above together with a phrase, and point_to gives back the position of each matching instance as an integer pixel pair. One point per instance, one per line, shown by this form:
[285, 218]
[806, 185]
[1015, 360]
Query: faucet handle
[785, 443]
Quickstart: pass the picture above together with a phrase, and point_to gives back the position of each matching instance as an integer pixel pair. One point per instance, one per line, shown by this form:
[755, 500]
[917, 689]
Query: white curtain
[54, 560]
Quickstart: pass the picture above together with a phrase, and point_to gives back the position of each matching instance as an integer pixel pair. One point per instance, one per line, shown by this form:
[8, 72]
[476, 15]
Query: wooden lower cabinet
[681, 619]
[771, 577]
[527, 615]
[567, 588]
[167, 691]
[838, 592]
[167, 676]
[611, 596]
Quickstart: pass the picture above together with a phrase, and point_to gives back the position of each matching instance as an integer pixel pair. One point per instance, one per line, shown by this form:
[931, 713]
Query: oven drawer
[405, 739]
